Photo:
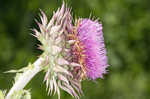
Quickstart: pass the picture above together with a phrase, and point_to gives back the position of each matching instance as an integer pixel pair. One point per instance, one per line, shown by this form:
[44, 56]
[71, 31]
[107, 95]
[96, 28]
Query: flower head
[89, 49]
[73, 53]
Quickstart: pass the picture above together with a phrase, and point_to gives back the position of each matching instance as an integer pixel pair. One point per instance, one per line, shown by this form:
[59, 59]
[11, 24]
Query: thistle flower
[70, 55]
[89, 49]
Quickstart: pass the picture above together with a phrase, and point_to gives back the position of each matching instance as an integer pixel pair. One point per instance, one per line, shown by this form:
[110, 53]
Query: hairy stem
[25, 77]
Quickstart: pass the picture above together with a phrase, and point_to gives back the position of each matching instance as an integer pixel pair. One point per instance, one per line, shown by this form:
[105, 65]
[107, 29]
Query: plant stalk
[26, 77]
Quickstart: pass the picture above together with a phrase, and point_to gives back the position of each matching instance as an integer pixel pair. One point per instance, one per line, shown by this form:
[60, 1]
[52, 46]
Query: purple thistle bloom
[91, 36]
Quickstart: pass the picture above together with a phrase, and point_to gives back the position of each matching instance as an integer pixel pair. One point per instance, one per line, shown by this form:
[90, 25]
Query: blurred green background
[126, 26]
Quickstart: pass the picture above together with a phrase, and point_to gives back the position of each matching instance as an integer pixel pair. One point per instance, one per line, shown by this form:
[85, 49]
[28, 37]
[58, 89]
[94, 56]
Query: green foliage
[2, 96]
[22, 94]
[126, 30]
